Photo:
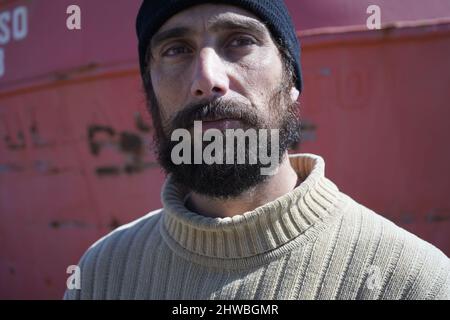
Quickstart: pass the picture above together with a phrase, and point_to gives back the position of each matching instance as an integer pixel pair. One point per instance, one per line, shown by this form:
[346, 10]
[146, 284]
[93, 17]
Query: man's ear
[294, 94]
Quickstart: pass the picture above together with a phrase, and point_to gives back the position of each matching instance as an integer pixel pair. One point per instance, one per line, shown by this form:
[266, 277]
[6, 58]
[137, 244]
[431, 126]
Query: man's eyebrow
[162, 36]
[239, 24]
[219, 25]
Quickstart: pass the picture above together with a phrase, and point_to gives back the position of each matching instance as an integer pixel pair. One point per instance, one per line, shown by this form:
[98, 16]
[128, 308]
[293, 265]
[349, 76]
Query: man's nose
[210, 77]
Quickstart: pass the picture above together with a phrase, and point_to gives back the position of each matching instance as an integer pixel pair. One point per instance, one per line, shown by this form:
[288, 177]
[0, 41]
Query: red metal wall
[75, 136]
[376, 107]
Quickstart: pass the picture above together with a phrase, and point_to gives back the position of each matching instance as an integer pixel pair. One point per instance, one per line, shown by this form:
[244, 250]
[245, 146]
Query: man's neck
[282, 182]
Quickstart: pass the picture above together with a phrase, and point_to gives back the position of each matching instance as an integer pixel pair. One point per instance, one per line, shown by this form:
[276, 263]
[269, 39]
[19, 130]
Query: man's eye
[242, 42]
[175, 51]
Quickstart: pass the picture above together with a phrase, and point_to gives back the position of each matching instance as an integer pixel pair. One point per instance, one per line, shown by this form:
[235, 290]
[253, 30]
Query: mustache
[213, 111]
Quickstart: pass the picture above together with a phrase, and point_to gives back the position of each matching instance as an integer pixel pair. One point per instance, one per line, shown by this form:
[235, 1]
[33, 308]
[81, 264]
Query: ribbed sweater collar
[260, 230]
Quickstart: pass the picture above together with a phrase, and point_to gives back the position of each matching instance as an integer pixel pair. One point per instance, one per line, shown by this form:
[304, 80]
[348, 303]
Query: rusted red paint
[75, 136]
[380, 103]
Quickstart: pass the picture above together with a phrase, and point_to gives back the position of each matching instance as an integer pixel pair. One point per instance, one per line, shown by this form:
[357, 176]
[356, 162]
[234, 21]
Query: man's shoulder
[114, 252]
[379, 228]
[121, 241]
[409, 267]
[126, 235]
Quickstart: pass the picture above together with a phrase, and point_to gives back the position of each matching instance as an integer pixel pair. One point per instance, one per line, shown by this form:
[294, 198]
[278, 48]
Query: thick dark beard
[228, 180]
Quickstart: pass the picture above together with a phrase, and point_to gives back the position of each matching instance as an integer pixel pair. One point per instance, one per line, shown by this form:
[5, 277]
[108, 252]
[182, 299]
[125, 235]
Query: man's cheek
[168, 100]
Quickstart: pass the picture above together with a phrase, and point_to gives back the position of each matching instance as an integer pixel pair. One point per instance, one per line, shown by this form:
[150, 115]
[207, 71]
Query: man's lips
[221, 124]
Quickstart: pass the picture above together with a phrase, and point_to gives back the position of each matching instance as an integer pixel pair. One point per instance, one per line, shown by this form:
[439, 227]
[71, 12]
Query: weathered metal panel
[376, 107]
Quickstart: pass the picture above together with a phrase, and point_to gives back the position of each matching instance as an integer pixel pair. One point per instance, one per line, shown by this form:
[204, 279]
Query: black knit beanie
[273, 13]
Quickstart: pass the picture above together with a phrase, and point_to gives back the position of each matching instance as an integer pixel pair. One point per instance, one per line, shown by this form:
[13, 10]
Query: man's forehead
[212, 17]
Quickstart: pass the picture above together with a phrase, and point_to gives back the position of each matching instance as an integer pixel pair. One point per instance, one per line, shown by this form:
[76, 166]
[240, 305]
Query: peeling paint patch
[308, 130]
[131, 145]
[38, 140]
[94, 144]
[10, 167]
[108, 171]
[438, 215]
[57, 224]
[19, 144]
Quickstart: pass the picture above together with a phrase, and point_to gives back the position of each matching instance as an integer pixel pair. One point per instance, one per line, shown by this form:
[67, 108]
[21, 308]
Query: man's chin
[218, 180]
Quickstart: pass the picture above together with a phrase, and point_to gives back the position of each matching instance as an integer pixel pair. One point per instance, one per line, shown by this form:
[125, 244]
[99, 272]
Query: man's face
[218, 64]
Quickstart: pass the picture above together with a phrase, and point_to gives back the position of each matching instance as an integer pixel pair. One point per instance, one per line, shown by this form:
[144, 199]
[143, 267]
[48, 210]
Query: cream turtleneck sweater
[311, 243]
